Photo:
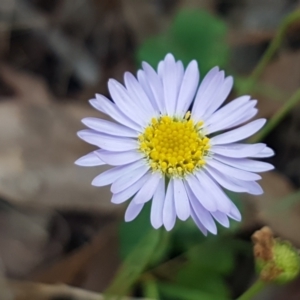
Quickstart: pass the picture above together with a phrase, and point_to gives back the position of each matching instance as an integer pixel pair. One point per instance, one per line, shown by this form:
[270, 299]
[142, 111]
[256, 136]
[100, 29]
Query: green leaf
[131, 233]
[150, 289]
[194, 34]
[133, 265]
[177, 292]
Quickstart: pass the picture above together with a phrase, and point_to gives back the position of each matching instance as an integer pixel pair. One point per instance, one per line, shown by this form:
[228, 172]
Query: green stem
[278, 116]
[253, 290]
[274, 46]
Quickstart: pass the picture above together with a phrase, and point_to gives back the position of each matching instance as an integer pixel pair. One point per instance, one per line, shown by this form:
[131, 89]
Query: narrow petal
[219, 98]
[169, 212]
[200, 194]
[89, 160]
[109, 127]
[221, 218]
[124, 182]
[221, 199]
[188, 88]
[227, 109]
[198, 222]
[148, 189]
[118, 158]
[156, 86]
[252, 187]
[133, 211]
[233, 172]
[143, 80]
[137, 93]
[238, 150]
[239, 133]
[235, 213]
[225, 181]
[204, 98]
[126, 194]
[107, 142]
[230, 120]
[202, 214]
[158, 205]
[109, 176]
[181, 199]
[245, 164]
[245, 117]
[170, 84]
[126, 104]
[104, 105]
[265, 152]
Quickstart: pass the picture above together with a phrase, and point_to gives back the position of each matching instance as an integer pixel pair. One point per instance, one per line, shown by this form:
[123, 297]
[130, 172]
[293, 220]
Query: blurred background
[54, 226]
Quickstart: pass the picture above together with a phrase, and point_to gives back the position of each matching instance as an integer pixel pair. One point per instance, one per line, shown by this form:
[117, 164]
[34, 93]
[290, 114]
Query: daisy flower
[173, 144]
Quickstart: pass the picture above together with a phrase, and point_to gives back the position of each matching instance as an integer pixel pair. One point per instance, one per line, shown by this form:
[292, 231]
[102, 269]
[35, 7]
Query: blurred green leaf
[194, 34]
[150, 289]
[131, 233]
[133, 265]
[176, 292]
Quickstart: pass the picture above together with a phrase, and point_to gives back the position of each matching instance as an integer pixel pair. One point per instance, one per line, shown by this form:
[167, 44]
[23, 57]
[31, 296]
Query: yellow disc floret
[174, 146]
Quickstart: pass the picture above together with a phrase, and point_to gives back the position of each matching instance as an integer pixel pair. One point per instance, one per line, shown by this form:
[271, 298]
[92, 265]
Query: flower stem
[278, 116]
[253, 290]
[274, 45]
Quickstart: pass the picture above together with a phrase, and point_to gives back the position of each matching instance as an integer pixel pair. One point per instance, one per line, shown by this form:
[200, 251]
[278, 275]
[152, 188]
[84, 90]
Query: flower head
[276, 260]
[164, 146]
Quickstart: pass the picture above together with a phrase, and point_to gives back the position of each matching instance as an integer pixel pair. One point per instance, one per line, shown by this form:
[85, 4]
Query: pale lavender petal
[198, 222]
[238, 150]
[182, 204]
[138, 94]
[169, 212]
[218, 99]
[230, 119]
[156, 86]
[252, 187]
[109, 127]
[124, 195]
[202, 214]
[227, 110]
[170, 84]
[89, 160]
[107, 142]
[198, 189]
[126, 104]
[206, 95]
[188, 88]
[119, 158]
[109, 176]
[221, 218]
[148, 189]
[143, 80]
[124, 182]
[180, 72]
[245, 164]
[235, 213]
[221, 199]
[233, 172]
[225, 181]
[133, 211]
[265, 152]
[107, 107]
[239, 133]
[160, 68]
[158, 205]
[245, 117]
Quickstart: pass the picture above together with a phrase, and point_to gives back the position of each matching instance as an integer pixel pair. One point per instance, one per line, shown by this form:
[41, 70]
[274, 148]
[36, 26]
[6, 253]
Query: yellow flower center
[174, 146]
